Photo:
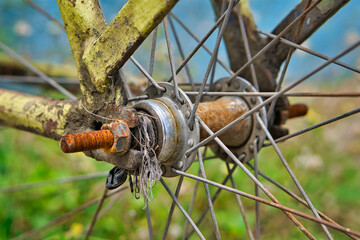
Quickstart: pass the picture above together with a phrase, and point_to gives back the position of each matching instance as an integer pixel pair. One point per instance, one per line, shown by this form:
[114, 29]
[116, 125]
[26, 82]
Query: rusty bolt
[86, 141]
[121, 133]
[297, 110]
[113, 137]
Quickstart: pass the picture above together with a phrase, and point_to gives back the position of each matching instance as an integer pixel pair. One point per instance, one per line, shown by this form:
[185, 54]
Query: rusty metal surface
[113, 137]
[129, 115]
[217, 114]
[86, 141]
[242, 148]
[121, 133]
[295, 110]
[298, 110]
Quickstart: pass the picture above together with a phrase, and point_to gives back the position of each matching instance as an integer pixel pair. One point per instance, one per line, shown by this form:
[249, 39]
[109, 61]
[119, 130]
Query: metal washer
[244, 152]
[172, 119]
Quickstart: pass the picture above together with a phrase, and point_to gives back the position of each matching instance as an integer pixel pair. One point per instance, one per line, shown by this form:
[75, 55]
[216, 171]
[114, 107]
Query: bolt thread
[80, 142]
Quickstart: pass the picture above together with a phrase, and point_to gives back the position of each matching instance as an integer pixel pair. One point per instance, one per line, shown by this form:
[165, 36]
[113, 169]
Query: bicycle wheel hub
[243, 135]
[170, 119]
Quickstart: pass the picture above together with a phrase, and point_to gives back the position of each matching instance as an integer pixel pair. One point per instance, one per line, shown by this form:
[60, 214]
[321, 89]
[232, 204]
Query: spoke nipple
[179, 164]
[190, 142]
[251, 147]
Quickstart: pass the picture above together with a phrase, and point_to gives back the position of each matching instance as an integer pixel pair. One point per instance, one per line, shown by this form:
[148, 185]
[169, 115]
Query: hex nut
[121, 132]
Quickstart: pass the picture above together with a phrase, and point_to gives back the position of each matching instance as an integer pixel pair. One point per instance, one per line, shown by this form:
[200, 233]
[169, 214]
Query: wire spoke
[292, 175]
[182, 55]
[274, 41]
[286, 65]
[211, 62]
[320, 218]
[270, 94]
[223, 5]
[296, 197]
[171, 60]
[302, 48]
[213, 200]
[331, 120]
[188, 218]
[146, 74]
[240, 204]
[33, 69]
[198, 46]
[29, 186]
[266, 202]
[95, 217]
[191, 205]
[208, 196]
[108, 206]
[148, 220]
[254, 179]
[177, 191]
[66, 216]
[198, 41]
[256, 173]
[152, 52]
[35, 80]
[270, 99]
[247, 47]
[126, 85]
[44, 13]
[138, 98]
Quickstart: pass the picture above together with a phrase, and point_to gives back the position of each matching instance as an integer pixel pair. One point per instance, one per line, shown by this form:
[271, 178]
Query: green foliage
[326, 162]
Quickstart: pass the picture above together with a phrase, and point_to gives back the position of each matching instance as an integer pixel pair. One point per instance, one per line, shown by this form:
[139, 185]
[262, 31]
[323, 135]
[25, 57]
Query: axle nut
[121, 133]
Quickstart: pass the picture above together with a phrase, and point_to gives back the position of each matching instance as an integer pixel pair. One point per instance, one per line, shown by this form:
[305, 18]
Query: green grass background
[326, 162]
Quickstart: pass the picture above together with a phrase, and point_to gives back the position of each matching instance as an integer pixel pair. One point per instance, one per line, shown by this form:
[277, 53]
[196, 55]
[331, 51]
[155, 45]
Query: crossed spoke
[221, 23]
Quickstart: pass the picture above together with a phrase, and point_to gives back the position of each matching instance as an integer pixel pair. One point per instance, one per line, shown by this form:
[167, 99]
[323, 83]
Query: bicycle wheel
[249, 125]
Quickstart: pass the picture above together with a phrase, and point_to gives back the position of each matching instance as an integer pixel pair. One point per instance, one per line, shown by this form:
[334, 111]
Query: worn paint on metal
[121, 38]
[84, 22]
[34, 113]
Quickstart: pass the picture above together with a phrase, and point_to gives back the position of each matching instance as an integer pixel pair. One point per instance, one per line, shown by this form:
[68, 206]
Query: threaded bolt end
[87, 141]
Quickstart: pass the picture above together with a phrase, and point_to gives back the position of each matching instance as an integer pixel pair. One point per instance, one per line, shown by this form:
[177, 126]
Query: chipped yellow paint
[245, 8]
[130, 27]
[34, 113]
[84, 23]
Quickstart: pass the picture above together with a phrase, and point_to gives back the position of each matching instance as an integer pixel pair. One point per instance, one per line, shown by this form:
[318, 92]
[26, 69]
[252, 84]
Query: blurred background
[326, 161]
